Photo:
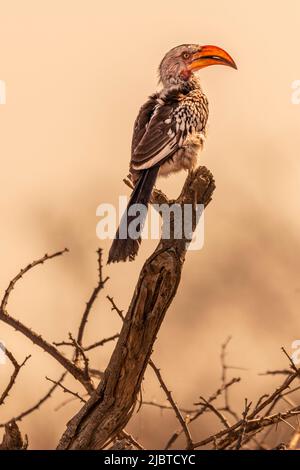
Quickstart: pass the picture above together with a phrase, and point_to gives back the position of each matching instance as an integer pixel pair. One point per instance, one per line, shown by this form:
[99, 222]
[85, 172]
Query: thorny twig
[83, 375]
[225, 368]
[237, 436]
[101, 283]
[40, 402]
[15, 373]
[115, 308]
[66, 390]
[37, 339]
[174, 405]
[252, 423]
[216, 412]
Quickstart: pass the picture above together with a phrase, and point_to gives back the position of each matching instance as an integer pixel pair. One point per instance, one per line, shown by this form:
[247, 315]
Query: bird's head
[181, 62]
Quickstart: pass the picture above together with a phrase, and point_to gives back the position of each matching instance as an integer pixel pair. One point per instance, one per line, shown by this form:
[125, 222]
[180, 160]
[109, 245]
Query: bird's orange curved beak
[210, 55]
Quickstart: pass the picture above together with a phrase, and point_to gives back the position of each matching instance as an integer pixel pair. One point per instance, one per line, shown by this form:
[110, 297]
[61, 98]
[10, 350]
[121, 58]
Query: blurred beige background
[76, 73]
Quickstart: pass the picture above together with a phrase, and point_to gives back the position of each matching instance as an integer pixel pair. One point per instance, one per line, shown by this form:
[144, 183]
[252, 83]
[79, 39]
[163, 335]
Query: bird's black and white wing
[158, 134]
[142, 120]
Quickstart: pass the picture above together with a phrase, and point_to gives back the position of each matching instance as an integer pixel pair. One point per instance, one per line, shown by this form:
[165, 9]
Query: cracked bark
[110, 407]
[12, 439]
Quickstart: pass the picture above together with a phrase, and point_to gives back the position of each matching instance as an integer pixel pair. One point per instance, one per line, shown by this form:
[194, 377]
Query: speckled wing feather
[164, 123]
[142, 120]
[156, 134]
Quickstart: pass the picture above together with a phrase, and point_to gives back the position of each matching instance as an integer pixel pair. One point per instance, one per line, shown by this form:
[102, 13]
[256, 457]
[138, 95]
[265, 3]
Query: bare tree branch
[115, 308]
[174, 406]
[66, 390]
[216, 412]
[203, 408]
[15, 373]
[131, 439]
[108, 411]
[37, 405]
[166, 407]
[23, 271]
[37, 339]
[244, 425]
[97, 344]
[101, 283]
[102, 342]
[252, 423]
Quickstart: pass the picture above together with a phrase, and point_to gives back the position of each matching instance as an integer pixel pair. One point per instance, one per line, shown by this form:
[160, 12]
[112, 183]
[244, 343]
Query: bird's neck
[193, 83]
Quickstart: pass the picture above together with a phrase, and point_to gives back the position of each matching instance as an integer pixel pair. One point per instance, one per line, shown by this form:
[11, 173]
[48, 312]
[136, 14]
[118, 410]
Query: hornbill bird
[168, 134]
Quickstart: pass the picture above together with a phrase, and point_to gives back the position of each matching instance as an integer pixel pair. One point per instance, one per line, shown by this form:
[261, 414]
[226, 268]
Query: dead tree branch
[37, 405]
[37, 339]
[12, 439]
[102, 420]
[109, 409]
[67, 390]
[101, 283]
[15, 373]
[172, 402]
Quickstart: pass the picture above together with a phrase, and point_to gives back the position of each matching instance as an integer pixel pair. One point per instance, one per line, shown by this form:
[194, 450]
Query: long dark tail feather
[123, 249]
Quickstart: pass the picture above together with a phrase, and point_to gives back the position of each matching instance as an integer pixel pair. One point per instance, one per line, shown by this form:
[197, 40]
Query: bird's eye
[186, 55]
